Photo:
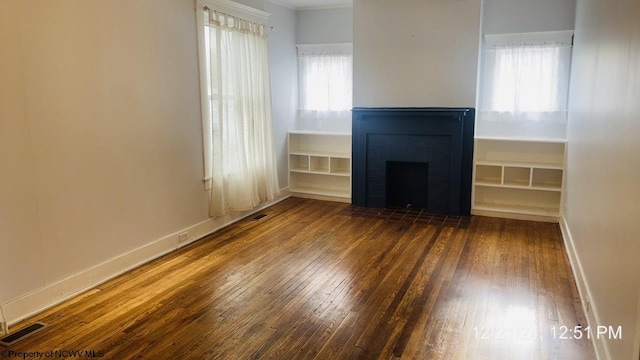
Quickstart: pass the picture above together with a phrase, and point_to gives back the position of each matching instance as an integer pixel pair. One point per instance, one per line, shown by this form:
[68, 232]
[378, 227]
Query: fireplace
[418, 157]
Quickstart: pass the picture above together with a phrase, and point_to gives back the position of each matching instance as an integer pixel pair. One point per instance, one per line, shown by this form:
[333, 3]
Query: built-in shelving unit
[320, 165]
[518, 178]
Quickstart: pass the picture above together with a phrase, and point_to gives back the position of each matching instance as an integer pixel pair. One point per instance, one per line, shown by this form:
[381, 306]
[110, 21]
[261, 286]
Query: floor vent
[22, 334]
[258, 217]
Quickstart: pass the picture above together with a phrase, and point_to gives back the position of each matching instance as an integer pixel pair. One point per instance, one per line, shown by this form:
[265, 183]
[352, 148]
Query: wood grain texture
[313, 280]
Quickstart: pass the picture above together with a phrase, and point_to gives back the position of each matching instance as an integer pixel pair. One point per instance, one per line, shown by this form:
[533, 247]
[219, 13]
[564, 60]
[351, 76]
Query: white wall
[324, 26]
[284, 80]
[100, 138]
[106, 124]
[603, 196]
[20, 237]
[518, 16]
[416, 53]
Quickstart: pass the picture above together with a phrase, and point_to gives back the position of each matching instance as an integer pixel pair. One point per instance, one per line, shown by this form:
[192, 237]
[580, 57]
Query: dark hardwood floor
[324, 280]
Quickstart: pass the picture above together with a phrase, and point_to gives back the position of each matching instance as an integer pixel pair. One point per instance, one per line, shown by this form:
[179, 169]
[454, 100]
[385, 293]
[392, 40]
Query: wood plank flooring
[319, 280]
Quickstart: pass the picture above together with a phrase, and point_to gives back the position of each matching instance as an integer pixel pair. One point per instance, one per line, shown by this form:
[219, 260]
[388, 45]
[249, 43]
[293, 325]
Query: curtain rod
[207, 8]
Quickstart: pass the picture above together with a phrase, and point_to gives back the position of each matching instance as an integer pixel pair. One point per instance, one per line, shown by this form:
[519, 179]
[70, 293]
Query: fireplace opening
[407, 184]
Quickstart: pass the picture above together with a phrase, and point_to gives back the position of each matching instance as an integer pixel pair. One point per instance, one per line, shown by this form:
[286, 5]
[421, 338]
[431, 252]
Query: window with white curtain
[526, 77]
[239, 152]
[325, 80]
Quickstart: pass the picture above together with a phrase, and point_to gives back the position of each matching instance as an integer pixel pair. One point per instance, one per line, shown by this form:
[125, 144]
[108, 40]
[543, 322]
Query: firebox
[406, 184]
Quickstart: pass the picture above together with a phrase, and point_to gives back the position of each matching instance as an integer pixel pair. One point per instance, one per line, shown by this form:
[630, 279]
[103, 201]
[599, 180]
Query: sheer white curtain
[526, 81]
[325, 85]
[239, 149]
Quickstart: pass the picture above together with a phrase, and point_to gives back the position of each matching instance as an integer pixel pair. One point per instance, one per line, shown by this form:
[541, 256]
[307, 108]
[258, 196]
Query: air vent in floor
[22, 334]
[258, 217]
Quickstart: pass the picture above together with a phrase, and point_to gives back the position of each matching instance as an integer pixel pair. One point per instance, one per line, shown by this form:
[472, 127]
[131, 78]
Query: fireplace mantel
[442, 137]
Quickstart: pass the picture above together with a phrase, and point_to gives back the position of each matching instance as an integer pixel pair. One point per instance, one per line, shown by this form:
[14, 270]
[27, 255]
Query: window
[526, 77]
[239, 152]
[325, 80]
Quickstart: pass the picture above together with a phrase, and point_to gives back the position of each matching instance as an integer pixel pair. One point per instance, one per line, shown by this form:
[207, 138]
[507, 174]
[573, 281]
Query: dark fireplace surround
[425, 155]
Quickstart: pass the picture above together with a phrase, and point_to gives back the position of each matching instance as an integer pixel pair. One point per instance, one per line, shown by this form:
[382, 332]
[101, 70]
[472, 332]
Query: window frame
[230, 8]
[493, 41]
[319, 49]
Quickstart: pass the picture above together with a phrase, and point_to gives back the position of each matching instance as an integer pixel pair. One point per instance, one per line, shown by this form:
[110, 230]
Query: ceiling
[314, 4]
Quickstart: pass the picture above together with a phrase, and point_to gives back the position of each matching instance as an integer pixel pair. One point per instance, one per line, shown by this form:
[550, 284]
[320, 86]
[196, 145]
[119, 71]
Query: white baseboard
[321, 197]
[590, 310]
[514, 216]
[636, 346]
[55, 293]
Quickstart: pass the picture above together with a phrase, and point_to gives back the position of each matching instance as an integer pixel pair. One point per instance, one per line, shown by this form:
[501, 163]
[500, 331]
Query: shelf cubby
[541, 154]
[489, 174]
[320, 144]
[519, 201]
[340, 166]
[547, 178]
[517, 176]
[299, 162]
[319, 164]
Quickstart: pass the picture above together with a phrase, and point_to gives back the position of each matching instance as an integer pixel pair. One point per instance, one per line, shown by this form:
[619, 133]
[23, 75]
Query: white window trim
[337, 48]
[564, 37]
[234, 9]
